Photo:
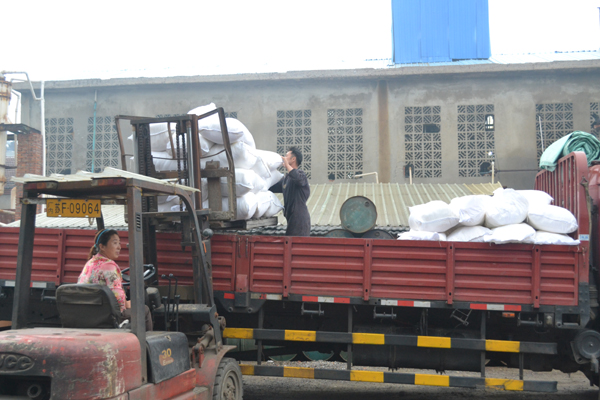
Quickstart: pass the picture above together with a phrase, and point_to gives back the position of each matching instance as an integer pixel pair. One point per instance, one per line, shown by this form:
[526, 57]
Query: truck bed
[387, 272]
[391, 269]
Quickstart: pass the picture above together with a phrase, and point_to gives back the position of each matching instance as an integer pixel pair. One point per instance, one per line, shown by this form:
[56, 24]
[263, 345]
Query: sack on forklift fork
[243, 156]
[205, 146]
[246, 180]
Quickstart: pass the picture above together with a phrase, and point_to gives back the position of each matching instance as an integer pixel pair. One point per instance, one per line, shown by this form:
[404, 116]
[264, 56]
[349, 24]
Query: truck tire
[228, 382]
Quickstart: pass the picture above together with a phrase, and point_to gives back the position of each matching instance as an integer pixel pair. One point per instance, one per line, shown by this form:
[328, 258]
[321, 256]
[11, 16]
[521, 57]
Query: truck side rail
[356, 270]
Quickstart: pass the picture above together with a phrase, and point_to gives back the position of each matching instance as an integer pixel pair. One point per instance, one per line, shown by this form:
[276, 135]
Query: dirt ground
[571, 387]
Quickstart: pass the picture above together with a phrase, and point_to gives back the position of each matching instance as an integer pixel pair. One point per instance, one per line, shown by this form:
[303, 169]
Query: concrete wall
[381, 94]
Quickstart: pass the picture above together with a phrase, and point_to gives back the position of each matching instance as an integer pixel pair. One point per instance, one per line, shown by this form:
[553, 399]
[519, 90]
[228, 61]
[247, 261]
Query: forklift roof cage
[110, 187]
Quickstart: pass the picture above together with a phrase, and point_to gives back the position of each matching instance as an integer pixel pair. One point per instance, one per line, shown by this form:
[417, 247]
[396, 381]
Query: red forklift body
[79, 364]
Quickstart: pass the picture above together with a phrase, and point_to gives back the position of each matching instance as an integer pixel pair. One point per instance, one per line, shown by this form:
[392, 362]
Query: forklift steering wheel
[149, 274]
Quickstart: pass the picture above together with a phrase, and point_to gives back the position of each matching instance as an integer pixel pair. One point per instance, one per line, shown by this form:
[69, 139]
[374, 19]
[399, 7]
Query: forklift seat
[87, 306]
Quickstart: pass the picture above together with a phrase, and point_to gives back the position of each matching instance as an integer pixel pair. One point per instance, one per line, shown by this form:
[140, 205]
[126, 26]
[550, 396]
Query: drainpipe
[18, 105]
[94, 137]
[43, 129]
[4, 100]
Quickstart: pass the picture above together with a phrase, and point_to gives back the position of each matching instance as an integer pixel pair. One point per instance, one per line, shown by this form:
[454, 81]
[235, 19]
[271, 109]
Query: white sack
[276, 176]
[263, 202]
[270, 158]
[422, 235]
[536, 197]
[275, 206]
[247, 136]
[210, 129]
[159, 136]
[513, 233]
[435, 216]
[205, 145]
[469, 234]
[248, 177]
[243, 155]
[266, 166]
[204, 190]
[166, 203]
[163, 161]
[246, 205]
[246, 181]
[203, 110]
[552, 219]
[261, 168]
[506, 207]
[542, 237]
[470, 209]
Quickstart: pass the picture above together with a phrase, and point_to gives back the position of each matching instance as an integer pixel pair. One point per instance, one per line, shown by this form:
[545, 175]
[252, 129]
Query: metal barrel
[339, 233]
[377, 234]
[358, 214]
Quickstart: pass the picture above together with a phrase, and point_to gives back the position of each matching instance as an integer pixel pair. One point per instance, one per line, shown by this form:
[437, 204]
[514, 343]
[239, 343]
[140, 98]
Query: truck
[441, 306]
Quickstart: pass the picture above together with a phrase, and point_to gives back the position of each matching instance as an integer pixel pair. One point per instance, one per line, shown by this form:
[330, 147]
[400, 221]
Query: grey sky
[55, 40]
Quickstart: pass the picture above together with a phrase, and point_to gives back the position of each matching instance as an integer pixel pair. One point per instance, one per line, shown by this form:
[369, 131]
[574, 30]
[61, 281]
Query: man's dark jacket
[296, 190]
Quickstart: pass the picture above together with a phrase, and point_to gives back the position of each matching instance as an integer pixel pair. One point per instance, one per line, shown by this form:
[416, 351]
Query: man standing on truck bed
[296, 190]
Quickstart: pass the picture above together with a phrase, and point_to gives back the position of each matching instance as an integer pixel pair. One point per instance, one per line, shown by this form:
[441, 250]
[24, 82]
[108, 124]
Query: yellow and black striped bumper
[402, 378]
[393, 340]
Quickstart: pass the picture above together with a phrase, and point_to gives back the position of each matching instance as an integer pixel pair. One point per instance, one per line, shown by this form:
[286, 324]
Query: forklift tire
[228, 382]
[592, 376]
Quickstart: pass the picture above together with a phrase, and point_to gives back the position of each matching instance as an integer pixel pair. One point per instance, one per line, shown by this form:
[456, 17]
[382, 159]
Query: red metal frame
[361, 268]
[568, 184]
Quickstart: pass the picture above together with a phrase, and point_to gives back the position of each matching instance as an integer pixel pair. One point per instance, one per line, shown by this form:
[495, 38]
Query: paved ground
[570, 387]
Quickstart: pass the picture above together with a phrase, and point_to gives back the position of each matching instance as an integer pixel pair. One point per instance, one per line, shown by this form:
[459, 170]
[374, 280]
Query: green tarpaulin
[576, 141]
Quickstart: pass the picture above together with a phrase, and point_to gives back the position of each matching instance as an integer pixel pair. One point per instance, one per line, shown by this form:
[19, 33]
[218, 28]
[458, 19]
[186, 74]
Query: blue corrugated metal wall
[440, 30]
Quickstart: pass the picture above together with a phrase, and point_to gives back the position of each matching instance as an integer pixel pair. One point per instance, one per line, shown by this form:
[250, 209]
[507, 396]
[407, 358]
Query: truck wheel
[228, 382]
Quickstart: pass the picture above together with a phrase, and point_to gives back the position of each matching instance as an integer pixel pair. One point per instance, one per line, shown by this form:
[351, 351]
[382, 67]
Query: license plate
[73, 208]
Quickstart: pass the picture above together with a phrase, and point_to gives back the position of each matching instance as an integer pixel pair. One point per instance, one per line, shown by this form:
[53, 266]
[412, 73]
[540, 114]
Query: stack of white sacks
[509, 216]
[255, 170]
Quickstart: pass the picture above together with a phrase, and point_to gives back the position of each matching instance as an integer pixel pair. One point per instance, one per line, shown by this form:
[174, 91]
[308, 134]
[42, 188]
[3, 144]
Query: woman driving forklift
[102, 269]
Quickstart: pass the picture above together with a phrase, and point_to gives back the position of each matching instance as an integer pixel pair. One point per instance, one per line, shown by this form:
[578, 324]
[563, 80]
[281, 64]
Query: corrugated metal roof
[545, 57]
[392, 201]
[83, 176]
[513, 59]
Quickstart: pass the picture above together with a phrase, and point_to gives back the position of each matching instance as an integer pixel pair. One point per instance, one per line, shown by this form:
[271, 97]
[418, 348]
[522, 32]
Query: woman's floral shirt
[104, 271]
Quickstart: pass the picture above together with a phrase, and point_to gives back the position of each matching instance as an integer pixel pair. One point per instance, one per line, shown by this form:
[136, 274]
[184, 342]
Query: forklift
[94, 355]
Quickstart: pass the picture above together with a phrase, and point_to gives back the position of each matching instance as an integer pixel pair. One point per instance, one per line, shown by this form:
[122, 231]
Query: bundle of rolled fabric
[575, 141]
[255, 170]
[509, 216]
